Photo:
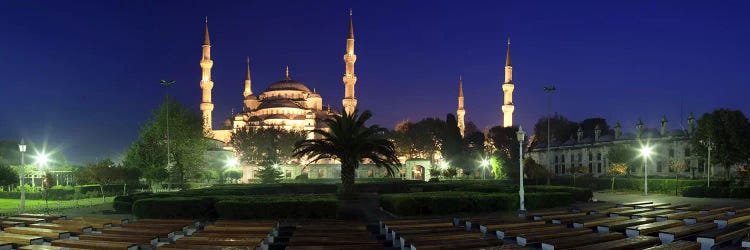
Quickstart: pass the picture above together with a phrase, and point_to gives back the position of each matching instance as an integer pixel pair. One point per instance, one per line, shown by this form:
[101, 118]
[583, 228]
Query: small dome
[277, 116]
[314, 95]
[287, 84]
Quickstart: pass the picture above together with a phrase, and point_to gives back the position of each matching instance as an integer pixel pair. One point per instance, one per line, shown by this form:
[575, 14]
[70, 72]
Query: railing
[58, 207]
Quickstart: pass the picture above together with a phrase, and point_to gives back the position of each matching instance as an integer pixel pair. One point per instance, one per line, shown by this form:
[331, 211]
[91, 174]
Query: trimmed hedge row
[716, 192]
[438, 203]
[275, 207]
[235, 207]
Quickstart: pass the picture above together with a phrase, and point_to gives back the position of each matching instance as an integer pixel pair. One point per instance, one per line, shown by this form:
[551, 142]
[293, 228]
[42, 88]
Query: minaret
[461, 112]
[206, 83]
[508, 91]
[248, 88]
[350, 102]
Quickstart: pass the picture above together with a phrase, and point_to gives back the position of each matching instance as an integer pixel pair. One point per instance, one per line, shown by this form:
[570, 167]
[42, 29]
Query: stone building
[590, 154]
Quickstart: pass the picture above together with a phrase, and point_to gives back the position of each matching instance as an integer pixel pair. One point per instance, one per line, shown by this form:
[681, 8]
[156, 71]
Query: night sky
[83, 75]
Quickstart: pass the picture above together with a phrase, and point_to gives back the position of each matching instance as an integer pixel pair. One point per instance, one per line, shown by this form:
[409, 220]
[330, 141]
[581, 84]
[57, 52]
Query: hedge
[276, 207]
[439, 203]
[657, 185]
[174, 207]
[717, 192]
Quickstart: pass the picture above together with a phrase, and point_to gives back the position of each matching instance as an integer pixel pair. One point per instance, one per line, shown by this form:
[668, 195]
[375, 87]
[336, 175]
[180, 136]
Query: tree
[534, 170]
[729, 131]
[8, 175]
[428, 137]
[677, 166]
[187, 145]
[350, 141]
[560, 127]
[497, 169]
[622, 153]
[450, 172]
[102, 173]
[47, 182]
[615, 169]
[504, 144]
[234, 175]
[588, 126]
[260, 145]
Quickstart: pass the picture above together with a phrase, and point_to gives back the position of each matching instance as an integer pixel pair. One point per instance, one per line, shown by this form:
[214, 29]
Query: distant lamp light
[275, 165]
[232, 162]
[485, 163]
[444, 165]
[42, 159]
[22, 146]
[646, 151]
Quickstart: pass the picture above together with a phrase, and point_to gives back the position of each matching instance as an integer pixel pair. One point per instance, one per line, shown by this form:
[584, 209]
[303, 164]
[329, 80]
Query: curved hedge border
[174, 207]
[275, 207]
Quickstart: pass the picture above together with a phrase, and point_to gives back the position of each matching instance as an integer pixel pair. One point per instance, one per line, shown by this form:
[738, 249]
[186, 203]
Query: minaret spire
[248, 84]
[350, 79]
[206, 83]
[286, 74]
[461, 112]
[508, 88]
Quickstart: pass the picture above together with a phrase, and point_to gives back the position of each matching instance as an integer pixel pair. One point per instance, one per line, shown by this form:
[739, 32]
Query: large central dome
[288, 84]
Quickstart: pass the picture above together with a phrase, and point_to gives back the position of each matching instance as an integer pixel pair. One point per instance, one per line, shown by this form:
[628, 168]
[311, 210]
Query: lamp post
[22, 148]
[549, 91]
[42, 159]
[645, 152]
[710, 146]
[520, 135]
[166, 102]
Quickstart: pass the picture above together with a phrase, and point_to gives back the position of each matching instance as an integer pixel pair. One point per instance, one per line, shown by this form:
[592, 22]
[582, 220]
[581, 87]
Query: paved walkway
[696, 202]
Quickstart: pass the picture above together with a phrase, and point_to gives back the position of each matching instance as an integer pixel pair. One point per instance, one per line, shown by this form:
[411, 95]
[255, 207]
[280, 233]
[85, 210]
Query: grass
[9, 206]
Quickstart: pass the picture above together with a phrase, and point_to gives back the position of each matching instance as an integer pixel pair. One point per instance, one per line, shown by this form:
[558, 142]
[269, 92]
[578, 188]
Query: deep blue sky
[84, 74]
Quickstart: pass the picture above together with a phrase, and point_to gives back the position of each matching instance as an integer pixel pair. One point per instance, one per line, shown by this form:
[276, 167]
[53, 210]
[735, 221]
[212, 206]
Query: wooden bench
[137, 239]
[21, 239]
[94, 244]
[652, 205]
[24, 220]
[677, 245]
[137, 231]
[46, 217]
[621, 225]
[205, 247]
[610, 210]
[112, 221]
[384, 223]
[46, 247]
[171, 221]
[716, 210]
[73, 228]
[628, 213]
[677, 216]
[675, 207]
[746, 242]
[718, 236]
[633, 204]
[580, 240]
[542, 215]
[570, 220]
[447, 236]
[220, 241]
[391, 229]
[5, 224]
[652, 214]
[638, 242]
[484, 229]
[671, 234]
[395, 235]
[525, 239]
[651, 228]
[458, 244]
[597, 222]
[340, 247]
[43, 232]
[704, 218]
[501, 234]
[6, 245]
[723, 222]
[229, 229]
[94, 224]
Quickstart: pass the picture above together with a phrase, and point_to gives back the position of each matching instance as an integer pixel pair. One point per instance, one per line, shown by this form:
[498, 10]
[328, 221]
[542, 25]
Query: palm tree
[350, 141]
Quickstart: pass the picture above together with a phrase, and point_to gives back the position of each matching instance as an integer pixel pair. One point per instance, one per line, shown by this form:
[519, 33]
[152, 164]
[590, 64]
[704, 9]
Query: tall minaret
[350, 102]
[508, 92]
[206, 83]
[461, 112]
[248, 88]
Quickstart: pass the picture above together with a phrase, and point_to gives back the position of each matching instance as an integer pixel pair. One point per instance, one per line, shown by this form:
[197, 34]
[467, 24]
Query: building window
[599, 167]
[687, 152]
[288, 173]
[321, 173]
[562, 158]
[671, 153]
[591, 168]
[591, 156]
[701, 165]
[556, 159]
[598, 156]
[370, 173]
[580, 158]
[402, 173]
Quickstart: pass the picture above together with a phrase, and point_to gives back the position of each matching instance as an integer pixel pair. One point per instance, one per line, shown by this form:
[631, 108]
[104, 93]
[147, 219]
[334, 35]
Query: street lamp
[646, 152]
[232, 162]
[520, 135]
[549, 91]
[710, 146]
[166, 85]
[22, 148]
[42, 159]
[485, 163]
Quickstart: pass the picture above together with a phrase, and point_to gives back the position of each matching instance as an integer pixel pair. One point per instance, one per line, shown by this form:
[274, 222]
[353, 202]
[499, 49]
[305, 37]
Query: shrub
[174, 207]
[548, 199]
[577, 194]
[436, 203]
[267, 207]
[123, 204]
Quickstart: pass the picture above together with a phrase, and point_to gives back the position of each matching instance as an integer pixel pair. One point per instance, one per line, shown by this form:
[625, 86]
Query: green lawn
[9, 204]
